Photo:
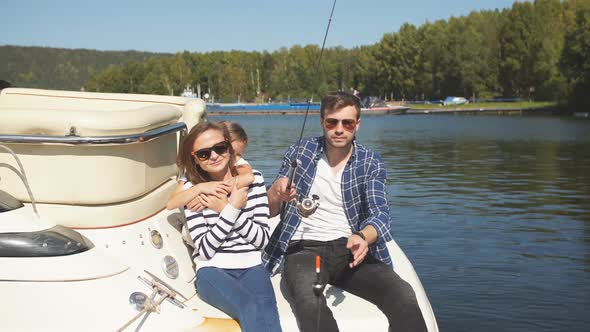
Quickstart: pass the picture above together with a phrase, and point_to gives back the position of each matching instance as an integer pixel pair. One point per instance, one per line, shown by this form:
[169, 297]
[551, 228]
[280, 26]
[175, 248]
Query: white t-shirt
[329, 221]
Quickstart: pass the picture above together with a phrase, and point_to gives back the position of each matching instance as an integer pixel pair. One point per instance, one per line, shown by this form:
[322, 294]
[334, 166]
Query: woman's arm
[243, 179]
[209, 237]
[255, 227]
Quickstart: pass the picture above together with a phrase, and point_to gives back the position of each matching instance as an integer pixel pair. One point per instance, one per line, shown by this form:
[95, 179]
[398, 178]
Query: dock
[396, 110]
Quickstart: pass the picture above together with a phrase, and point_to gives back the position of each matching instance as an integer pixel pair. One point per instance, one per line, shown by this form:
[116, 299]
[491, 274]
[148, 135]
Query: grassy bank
[512, 105]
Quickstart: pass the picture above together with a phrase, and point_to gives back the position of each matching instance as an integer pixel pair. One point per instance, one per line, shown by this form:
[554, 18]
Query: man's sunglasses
[348, 124]
[204, 154]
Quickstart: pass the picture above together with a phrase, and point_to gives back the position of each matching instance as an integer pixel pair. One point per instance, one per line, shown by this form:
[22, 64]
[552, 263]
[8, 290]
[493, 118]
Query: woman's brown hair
[186, 162]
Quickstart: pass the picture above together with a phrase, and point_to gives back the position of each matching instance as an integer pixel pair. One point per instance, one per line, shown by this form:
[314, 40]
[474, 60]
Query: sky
[216, 25]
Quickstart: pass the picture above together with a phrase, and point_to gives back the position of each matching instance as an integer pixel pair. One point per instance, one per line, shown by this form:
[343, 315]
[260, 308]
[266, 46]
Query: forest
[534, 50]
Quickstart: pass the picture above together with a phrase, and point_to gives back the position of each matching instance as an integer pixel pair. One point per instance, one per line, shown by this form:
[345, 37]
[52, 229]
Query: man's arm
[378, 206]
[377, 225]
[278, 193]
[359, 243]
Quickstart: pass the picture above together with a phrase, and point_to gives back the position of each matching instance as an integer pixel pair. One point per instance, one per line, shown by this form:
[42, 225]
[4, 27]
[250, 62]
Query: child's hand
[245, 175]
[238, 197]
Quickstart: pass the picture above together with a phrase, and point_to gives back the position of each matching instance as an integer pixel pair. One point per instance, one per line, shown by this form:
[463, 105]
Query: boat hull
[131, 240]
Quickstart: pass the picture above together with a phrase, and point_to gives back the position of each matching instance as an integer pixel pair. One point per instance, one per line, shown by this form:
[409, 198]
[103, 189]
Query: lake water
[493, 212]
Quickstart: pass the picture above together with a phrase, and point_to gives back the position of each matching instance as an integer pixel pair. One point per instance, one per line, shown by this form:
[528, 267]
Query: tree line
[58, 68]
[534, 50]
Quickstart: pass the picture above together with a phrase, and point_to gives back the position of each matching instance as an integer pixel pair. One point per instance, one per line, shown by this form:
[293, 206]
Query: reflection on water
[494, 212]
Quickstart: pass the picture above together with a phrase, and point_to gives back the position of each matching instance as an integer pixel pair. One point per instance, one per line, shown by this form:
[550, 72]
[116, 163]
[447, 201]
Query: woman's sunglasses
[348, 124]
[204, 154]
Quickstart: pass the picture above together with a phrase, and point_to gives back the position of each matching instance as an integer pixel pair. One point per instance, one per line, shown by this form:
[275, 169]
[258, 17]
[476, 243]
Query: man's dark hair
[338, 100]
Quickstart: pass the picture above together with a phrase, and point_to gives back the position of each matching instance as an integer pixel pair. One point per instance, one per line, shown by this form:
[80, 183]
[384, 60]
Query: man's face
[340, 126]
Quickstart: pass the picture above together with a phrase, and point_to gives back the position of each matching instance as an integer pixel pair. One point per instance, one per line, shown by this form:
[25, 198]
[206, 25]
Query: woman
[230, 232]
[245, 175]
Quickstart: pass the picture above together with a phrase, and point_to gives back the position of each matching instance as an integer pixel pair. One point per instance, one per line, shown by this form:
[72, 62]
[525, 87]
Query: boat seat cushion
[86, 123]
[89, 174]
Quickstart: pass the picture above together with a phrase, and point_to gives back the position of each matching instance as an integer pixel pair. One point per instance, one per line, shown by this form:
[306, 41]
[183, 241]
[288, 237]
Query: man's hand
[278, 193]
[359, 249]
[280, 188]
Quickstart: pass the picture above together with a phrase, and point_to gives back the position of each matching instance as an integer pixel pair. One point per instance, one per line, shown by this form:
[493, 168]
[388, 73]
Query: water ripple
[494, 212]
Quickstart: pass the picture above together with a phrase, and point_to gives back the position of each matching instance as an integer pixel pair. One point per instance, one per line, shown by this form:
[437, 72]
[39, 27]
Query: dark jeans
[372, 280]
[244, 294]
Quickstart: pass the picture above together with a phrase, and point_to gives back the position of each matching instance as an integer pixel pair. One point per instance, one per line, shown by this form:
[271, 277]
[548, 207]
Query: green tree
[397, 61]
[575, 60]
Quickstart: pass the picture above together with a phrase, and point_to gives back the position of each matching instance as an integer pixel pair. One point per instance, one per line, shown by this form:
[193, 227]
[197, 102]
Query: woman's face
[216, 162]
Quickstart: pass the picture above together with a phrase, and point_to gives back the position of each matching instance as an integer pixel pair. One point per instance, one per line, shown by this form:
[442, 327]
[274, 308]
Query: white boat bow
[105, 255]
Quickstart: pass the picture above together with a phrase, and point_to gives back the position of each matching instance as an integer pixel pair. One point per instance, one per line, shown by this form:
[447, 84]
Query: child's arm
[245, 175]
[181, 197]
[244, 179]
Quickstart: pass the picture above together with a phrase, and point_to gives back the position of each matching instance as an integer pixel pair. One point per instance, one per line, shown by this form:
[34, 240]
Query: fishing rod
[318, 286]
[298, 153]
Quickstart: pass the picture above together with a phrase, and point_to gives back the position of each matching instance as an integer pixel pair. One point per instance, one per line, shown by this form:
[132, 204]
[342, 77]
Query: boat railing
[73, 139]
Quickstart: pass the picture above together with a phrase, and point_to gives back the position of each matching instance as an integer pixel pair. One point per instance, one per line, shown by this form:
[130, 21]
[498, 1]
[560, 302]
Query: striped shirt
[363, 195]
[232, 239]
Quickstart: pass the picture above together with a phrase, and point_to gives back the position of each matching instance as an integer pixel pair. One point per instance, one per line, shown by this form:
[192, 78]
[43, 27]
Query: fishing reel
[308, 205]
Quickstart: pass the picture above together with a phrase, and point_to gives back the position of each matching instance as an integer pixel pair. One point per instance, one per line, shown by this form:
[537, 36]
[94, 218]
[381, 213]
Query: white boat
[85, 240]
[455, 101]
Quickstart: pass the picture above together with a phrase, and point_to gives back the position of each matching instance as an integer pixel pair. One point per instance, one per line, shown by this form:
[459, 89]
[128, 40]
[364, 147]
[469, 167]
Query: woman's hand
[215, 187]
[238, 197]
[196, 204]
[214, 202]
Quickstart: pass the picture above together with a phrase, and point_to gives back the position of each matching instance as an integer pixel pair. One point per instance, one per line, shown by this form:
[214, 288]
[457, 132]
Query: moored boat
[375, 105]
[85, 241]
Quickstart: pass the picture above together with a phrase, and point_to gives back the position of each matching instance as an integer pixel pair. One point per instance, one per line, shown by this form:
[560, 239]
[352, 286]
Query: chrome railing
[96, 140]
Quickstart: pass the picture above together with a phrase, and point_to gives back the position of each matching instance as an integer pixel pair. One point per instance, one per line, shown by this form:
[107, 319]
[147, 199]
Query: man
[346, 224]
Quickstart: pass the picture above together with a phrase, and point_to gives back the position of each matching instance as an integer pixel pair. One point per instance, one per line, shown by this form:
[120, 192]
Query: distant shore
[521, 108]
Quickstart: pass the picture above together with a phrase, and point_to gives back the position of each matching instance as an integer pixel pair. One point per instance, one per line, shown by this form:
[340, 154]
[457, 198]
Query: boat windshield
[372, 101]
[56, 241]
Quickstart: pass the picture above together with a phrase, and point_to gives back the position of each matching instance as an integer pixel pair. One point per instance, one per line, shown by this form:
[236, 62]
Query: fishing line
[318, 287]
[294, 162]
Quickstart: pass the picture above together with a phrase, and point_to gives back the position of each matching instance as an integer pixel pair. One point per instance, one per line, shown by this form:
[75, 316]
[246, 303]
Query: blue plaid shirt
[363, 192]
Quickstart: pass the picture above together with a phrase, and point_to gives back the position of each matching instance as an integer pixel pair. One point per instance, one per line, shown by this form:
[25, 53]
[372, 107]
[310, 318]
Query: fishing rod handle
[291, 174]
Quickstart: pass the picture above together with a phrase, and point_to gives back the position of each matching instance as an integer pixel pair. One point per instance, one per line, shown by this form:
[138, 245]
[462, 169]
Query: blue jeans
[372, 280]
[246, 295]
